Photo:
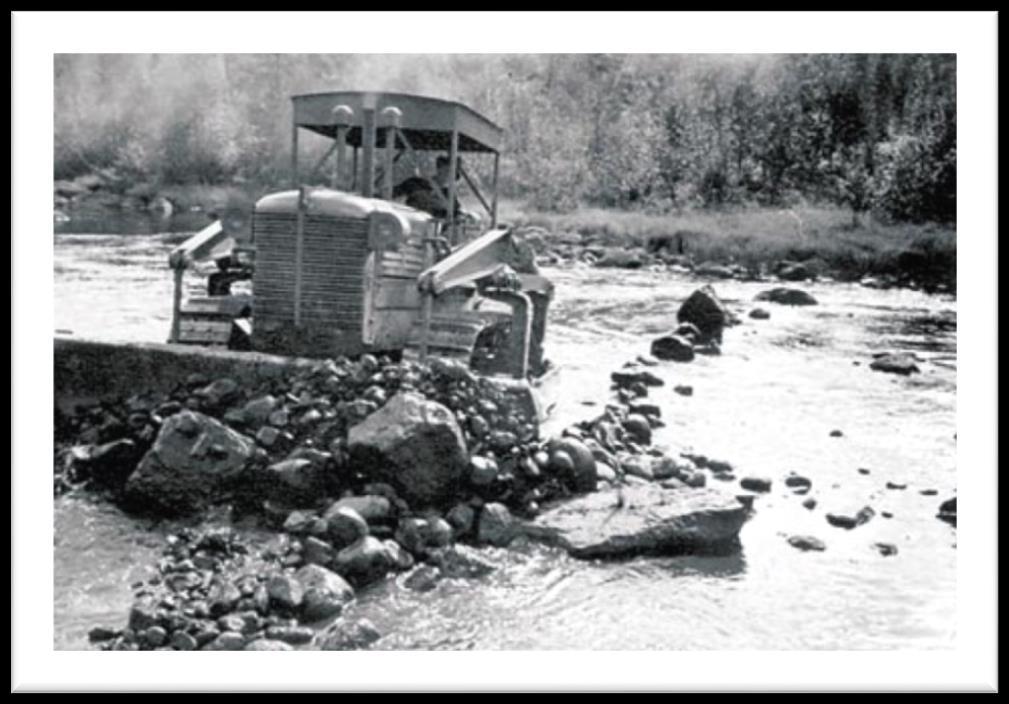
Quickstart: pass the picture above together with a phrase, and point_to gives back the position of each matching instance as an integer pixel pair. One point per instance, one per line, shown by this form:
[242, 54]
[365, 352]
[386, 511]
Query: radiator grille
[332, 296]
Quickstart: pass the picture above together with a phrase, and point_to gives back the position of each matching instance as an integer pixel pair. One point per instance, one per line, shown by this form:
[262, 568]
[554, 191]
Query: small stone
[462, 518]
[285, 591]
[759, 314]
[295, 635]
[183, 641]
[886, 549]
[226, 641]
[797, 481]
[461, 562]
[267, 436]
[423, 579]
[863, 470]
[809, 503]
[267, 644]
[639, 429]
[411, 533]
[886, 514]
[345, 526]
[231, 622]
[805, 542]
[496, 527]
[372, 508]
[365, 561]
[325, 592]
[482, 471]
[402, 560]
[344, 635]
[836, 433]
[895, 486]
[155, 636]
[143, 614]
[929, 492]
[222, 598]
[317, 552]
[99, 634]
[684, 390]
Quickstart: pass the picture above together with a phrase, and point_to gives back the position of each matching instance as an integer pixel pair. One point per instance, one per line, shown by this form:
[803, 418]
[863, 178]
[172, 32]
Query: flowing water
[767, 404]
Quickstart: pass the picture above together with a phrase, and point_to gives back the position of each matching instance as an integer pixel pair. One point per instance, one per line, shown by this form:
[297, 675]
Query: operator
[420, 194]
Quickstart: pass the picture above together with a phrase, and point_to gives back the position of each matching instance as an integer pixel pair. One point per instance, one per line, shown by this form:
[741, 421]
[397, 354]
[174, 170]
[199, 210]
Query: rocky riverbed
[807, 370]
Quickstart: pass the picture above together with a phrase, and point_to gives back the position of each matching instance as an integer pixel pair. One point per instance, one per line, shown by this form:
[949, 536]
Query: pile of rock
[702, 318]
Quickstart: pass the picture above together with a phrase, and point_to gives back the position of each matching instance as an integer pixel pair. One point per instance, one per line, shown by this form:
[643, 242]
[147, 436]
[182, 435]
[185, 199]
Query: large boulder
[193, 460]
[705, 310]
[414, 444]
[642, 519]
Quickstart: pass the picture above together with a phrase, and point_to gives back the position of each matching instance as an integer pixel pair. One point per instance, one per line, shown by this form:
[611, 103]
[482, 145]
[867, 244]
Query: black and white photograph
[578, 363]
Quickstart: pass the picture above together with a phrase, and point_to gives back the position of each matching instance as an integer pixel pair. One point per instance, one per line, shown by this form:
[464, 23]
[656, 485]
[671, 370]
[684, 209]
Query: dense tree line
[870, 132]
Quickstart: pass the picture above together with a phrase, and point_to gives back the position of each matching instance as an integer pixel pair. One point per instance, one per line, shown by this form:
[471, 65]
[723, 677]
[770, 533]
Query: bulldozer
[338, 267]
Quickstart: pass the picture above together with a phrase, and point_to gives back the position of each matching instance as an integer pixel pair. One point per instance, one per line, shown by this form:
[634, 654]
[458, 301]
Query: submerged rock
[193, 459]
[349, 635]
[895, 363]
[414, 444]
[806, 542]
[787, 296]
[642, 519]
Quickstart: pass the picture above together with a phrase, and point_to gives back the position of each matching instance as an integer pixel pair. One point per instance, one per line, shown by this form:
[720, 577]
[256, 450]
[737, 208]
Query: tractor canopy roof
[428, 123]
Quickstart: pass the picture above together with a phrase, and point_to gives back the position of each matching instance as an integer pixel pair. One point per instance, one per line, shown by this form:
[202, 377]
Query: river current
[768, 404]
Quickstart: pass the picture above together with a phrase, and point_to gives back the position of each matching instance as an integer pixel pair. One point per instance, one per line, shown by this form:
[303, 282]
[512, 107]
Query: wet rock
[885, 549]
[787, 296]
[423, 579]
[414, 444]
[797, 481]
[99, 634]
[401, 559]
[143, 614]
[706, 312]
[317, 552]
[806, 542]
[344, 525]
[684, 390]
[296, 479]
[325, 592]
[108, 465]
[365, 561]
[759, 314]
[371, 507]
[267, 644]
[220, 393]
[155, 636]
[794, 271]
[639, 429]
[713, 270]
[636, 466]
[628, 376]
[462, 518]
[642, 519]
[412, 534]
[496, 525]
[863, 516]
[947, 511]
[257, 411]
[193, 460]
[583, 475]
[299, 522]
[183, 641]
[349, 635]
[895, 363]
[482, 471]
[285, 591]
[461, 562]
[759, 484]
[294, 635]
[267, 436]
[226, 641]
[673, 347]
[222, 597]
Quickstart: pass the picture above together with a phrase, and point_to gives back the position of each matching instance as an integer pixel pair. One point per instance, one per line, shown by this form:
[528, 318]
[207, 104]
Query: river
[767, 404]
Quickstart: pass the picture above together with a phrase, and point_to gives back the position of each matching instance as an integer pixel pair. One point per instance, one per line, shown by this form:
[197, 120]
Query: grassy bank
[827, 238]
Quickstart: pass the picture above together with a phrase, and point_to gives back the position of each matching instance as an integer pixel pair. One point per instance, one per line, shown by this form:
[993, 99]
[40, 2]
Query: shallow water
[767, 404]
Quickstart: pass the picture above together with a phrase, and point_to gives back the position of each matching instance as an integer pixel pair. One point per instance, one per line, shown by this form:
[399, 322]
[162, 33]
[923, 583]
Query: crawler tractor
[343, 269]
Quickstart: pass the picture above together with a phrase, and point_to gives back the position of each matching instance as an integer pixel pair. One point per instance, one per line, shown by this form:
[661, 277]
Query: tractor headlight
[386, 230]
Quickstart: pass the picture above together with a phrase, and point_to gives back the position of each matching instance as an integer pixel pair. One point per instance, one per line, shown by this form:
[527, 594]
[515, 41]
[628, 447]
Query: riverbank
[798, 244]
